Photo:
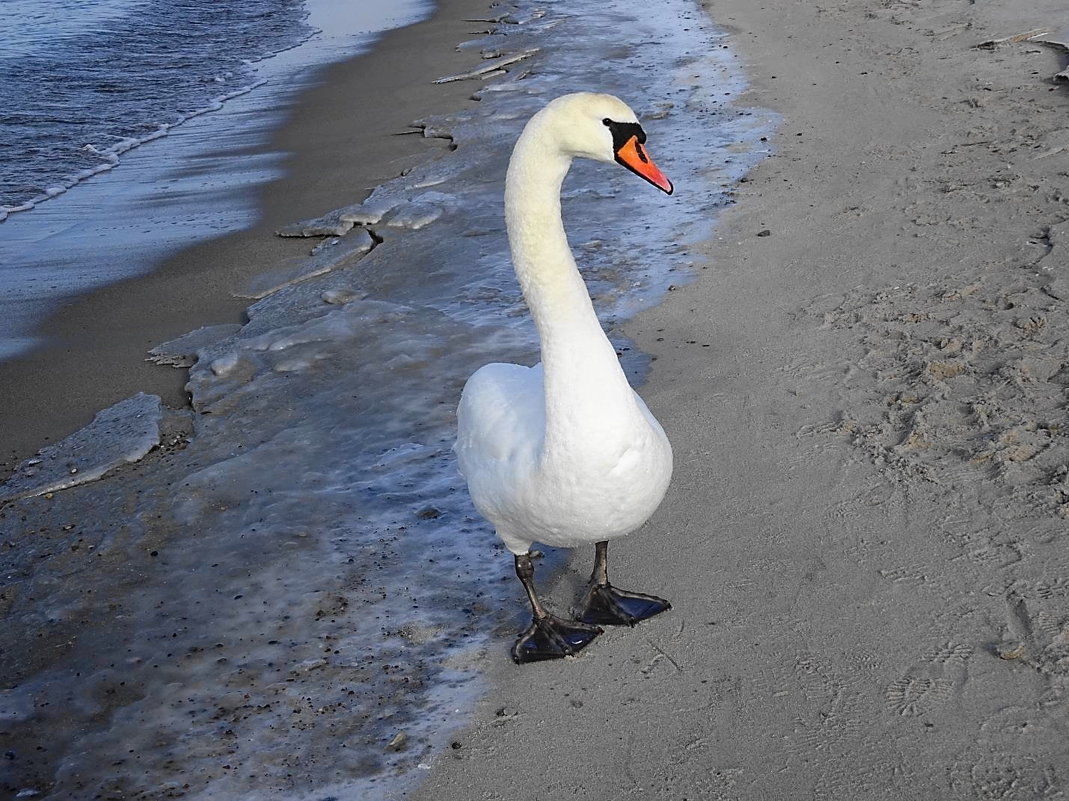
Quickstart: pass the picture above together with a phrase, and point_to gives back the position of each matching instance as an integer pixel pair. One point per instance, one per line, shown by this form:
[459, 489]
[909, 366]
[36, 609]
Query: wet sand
[865, 540]
[344, 137]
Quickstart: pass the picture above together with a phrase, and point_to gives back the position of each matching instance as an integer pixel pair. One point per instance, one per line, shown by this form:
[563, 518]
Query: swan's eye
[606, 122]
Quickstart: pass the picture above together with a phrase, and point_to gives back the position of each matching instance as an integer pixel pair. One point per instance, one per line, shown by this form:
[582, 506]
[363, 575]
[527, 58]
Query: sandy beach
[865, 537]
[863, 376]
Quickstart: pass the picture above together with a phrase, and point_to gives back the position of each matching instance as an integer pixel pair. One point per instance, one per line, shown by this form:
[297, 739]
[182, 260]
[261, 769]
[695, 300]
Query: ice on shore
[328, 255]
[182, 352]
[269, 601]
[118, 435]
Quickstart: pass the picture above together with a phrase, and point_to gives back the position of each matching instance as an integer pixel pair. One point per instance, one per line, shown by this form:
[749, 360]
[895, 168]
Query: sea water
[126, 126]
[289, 594]
[86, 80]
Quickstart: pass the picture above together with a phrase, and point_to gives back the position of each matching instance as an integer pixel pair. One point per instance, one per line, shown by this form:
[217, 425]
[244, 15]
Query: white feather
[563, 453]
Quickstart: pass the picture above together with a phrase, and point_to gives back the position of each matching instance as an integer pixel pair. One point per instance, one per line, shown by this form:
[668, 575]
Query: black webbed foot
[607, 606]
[552, 637]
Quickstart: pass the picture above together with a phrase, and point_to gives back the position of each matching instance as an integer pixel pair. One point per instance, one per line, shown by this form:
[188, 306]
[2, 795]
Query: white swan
[564, 453]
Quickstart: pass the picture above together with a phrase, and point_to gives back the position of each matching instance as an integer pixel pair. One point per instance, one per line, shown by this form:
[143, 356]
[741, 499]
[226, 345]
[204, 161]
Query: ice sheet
[118, 435]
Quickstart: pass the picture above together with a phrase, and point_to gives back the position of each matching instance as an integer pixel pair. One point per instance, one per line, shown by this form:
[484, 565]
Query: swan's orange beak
[633, 155]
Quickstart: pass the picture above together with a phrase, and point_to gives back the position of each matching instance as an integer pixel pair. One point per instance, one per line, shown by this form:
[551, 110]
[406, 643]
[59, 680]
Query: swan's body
[563, 453]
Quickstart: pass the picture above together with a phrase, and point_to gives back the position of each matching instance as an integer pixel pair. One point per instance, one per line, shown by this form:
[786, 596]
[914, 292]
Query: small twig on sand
[992, 44]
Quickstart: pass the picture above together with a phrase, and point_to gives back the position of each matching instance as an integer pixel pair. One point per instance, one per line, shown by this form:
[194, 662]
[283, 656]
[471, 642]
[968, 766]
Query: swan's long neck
[586, 389]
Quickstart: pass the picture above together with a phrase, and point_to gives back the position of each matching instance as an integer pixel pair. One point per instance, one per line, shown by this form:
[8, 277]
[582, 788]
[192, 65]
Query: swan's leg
[605, 605]
[548, 636]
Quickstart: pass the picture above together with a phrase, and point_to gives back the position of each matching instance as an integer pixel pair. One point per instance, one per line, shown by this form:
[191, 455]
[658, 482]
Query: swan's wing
[501, 419]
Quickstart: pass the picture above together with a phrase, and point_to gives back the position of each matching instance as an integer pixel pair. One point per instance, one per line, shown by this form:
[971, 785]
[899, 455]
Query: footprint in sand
[928, 684]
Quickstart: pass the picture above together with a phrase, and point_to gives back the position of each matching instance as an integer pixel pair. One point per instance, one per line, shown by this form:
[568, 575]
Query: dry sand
[865, 538]
[96, 355]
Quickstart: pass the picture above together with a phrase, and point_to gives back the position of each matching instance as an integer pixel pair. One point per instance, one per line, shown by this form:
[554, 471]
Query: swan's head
[603, 128]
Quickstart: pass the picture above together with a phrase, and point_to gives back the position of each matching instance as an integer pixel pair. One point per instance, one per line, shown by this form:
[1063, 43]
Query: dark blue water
[85, 80]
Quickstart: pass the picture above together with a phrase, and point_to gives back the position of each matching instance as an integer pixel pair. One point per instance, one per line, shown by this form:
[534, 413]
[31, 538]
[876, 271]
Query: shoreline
[97, 343]
[295, 558]
[867, 582]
